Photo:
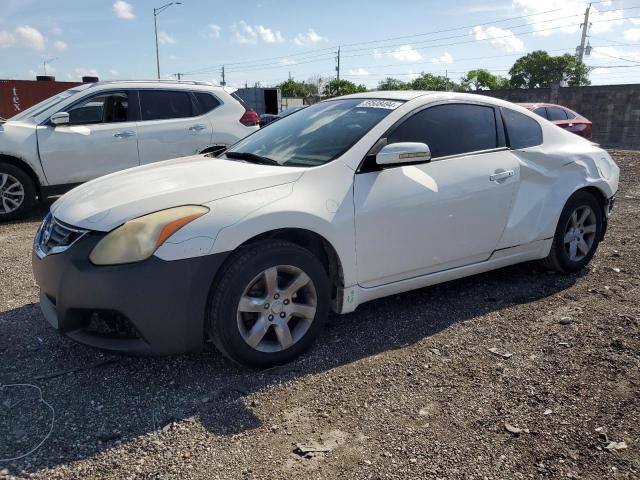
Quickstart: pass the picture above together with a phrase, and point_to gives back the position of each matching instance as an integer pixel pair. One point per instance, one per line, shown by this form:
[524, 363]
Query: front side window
[450, 129]
[555, 114]
[523, 131]
[316, 135]
[108, 107]
[165, 104]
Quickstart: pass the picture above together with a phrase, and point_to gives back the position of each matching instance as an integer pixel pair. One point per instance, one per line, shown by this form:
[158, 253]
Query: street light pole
[156, 12]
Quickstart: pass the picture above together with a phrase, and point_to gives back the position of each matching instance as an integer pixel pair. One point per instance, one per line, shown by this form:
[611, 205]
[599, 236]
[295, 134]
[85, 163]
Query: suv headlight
[137, 239]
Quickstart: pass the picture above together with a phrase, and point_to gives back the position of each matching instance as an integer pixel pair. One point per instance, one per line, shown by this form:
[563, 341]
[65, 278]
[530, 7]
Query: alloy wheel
[11, 193]
[580, 233]
[277, 308]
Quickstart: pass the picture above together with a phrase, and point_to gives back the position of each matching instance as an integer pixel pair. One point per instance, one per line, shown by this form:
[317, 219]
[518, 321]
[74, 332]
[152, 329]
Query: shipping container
[261, 100]
[18, 95]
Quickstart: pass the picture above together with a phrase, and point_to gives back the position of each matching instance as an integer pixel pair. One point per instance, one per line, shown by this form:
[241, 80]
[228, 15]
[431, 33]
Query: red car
[563, 117]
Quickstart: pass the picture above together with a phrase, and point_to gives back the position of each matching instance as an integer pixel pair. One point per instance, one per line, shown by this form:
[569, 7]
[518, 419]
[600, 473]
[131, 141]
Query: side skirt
[355, 295]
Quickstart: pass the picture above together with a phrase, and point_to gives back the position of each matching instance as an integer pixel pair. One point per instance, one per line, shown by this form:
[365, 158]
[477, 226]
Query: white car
[100, 128]
[346, 201]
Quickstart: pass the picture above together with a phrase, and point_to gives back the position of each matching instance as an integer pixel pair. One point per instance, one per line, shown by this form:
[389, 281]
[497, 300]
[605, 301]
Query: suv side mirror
[403, 152]
[60, 118]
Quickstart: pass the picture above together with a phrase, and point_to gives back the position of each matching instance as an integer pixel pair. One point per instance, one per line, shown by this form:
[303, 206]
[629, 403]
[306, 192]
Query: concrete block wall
[613, 109]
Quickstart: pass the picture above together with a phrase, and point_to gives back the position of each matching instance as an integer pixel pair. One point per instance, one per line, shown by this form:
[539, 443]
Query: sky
[267, 41]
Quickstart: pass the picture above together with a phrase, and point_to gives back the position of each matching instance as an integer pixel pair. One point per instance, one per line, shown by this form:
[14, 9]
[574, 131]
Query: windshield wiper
[251, 157]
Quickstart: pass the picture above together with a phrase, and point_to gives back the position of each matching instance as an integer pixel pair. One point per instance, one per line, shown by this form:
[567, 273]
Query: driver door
[100, 138]
[413, 220]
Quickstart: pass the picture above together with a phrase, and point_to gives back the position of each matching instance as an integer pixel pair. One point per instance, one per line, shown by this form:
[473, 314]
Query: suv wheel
[269, 305]
[17, 192]
[577, 235]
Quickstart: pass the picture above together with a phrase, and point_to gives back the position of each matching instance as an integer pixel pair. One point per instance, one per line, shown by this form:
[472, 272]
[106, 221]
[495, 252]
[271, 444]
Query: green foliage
[293, 89]
[428, 81]
[481, 79]
[393, 84]
[342, 87]
[539, 70]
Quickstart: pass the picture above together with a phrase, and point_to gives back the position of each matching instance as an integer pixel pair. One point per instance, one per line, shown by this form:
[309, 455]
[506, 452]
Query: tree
[428, 81]
[293, 89]
[539, 70]
[342, 87]
[392, 84]
[481, 79]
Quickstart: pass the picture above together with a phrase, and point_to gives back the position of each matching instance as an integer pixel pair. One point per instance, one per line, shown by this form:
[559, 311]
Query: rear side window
[206, 102]
[523, 131]
[165, 104]
[570, 115]
[541, 111]
[555, 114]
[450, 129]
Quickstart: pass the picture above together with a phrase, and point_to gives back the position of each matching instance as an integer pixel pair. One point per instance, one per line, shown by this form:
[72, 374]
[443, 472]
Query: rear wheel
[577, 235]
[17, 192]
[269, 305]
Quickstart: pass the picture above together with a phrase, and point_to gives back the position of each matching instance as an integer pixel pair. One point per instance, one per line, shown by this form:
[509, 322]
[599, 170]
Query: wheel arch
[24, 166]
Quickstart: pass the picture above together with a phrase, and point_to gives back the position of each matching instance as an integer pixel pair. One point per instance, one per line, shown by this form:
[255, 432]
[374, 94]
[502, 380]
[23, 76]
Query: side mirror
[403, 152]
[60, 118]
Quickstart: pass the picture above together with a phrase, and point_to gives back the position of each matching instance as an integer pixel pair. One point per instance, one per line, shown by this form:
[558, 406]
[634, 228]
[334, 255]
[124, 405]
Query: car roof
[163, 84]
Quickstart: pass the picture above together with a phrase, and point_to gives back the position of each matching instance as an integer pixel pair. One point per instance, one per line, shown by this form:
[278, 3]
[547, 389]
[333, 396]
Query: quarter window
[109, 107]
[450, 129]
[165, 104]
[555, 114]
[206, 102]
[541, 111]
[523, 131]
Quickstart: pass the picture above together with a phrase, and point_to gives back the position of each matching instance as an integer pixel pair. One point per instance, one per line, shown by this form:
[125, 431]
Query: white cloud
[635, 21]
[632, 35]
[287, 61]
[361, 72]
[247, 34]
[502, 39]
[567, 16]
[446, 57]
[6, 39]
[113, 73]
[56, 30]
[60, 45]
[213, 31]
[86, 72]
[244, 33]
[405, 53]
[165, 39]
[309, 38]
[30, 37]
[610, 53]
[124, 10]
[269, 36]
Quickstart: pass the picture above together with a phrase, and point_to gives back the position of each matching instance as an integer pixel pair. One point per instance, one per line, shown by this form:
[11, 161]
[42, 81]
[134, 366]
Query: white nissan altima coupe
[346, 201]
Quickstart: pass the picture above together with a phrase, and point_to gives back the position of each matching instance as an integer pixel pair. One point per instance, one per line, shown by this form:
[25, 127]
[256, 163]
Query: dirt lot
[405, 387]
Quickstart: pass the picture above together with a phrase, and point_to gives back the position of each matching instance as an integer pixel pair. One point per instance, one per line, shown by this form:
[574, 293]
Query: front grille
[54, 236]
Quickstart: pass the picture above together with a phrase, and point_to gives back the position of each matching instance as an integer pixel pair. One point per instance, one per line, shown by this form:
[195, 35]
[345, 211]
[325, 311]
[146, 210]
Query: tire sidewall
[226, 295]
[577, 200]
[29, 192]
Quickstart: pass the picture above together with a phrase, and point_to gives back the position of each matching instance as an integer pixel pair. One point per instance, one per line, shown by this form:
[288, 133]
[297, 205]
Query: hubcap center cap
[277, 307]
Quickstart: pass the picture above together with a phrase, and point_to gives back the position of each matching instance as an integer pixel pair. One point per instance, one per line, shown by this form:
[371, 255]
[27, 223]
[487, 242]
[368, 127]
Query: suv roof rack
[183, 82]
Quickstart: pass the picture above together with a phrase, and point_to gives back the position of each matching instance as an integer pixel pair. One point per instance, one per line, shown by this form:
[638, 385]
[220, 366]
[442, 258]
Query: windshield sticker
[387, 104]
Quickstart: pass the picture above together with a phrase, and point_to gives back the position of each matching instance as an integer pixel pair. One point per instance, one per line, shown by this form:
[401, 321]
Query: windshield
[45, 104]
[314, 135]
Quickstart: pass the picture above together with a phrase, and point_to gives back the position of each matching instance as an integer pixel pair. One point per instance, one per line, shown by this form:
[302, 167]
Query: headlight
[137, 239]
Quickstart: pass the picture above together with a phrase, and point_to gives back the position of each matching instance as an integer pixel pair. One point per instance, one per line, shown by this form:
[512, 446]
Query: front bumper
[154, 307]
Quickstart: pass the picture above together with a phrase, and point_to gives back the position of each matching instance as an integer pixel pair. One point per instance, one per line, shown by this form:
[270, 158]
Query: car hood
[107, 202]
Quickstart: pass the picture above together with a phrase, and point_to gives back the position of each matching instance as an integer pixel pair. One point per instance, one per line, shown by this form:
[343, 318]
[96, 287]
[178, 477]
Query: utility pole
[156, 12]
[338, 72]
[179, 75]
[224, 82]
[585, 28]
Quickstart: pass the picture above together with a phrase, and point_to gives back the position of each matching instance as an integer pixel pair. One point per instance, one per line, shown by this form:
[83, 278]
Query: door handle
[124, 134]
[501, 175]
[197, 127]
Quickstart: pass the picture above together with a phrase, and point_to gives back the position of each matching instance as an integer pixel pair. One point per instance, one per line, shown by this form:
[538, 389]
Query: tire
[245, 276]
[12, 180]
[561, 258]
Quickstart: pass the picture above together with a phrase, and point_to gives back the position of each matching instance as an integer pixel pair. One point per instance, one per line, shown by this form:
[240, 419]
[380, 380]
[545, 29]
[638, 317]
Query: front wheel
[17, 192]
[577, 235]
[269, 304]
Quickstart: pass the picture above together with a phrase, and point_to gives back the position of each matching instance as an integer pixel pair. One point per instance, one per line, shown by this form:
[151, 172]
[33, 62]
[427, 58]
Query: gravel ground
[405, 387]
